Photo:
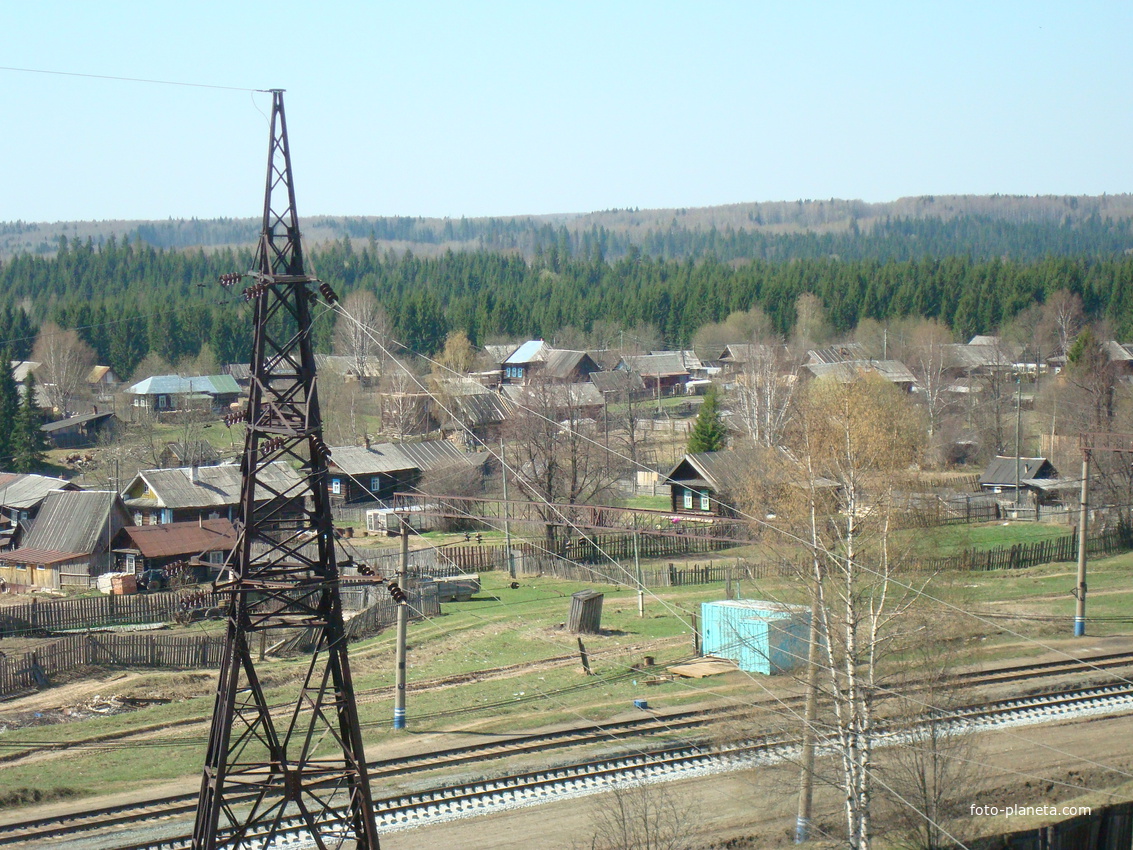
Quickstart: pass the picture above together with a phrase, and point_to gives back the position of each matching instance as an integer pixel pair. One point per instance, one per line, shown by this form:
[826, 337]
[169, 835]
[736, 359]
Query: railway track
[454, 801]
[37, 831]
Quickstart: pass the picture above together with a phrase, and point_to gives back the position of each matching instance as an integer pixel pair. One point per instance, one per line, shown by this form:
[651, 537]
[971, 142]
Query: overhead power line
[128, 79]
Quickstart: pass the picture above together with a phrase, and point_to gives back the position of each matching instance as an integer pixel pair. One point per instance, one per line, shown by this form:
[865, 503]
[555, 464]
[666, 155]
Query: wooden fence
[1016, 557]
[32, 669]
[1022, 555]
[97, 611]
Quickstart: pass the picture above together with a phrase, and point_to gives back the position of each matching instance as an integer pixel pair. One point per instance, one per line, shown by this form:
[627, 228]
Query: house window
[375, 486]
[166, 516]
[162, 402]
[336, 486]
[688, 499]
[705, 503]
[138, 518]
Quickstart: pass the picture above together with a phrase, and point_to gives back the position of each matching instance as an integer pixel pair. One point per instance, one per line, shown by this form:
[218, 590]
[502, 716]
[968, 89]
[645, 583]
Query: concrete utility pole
[640, 580]
[1018, 428]
[507, 525]
[402, 629]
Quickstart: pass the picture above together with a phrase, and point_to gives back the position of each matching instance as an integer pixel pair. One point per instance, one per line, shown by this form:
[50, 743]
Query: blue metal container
[761, 637]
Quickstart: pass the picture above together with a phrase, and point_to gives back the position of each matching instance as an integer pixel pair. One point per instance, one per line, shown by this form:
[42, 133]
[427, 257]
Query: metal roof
[176, 385]
[532, 351]
[72, 521]
[26, 491]
[215, 486]
[180, 538]
[397, 457]
[73, 421]
[28, 555]
[1001, 471]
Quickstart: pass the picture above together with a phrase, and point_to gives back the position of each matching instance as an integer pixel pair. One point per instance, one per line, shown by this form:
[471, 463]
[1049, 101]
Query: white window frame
[336, 486]
[705, 501]
[687, 498]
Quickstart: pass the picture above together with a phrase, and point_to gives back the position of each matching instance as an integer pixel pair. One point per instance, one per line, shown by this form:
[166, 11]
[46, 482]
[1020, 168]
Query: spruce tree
[9, 409]
[708, 434]
[29, 443]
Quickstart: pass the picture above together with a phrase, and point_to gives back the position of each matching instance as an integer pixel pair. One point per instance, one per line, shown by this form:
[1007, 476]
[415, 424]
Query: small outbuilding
[761, 637]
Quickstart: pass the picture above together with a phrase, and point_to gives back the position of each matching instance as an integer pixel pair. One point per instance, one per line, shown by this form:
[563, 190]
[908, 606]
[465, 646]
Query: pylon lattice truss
[269, 767]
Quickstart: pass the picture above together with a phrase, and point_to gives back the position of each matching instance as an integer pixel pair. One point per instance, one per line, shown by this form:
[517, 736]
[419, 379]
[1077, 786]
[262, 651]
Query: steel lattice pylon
[271, 766]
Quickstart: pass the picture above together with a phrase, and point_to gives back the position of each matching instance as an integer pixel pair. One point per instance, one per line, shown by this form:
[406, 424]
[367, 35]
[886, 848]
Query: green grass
[655, 503]
[950, 539]
[502, 627]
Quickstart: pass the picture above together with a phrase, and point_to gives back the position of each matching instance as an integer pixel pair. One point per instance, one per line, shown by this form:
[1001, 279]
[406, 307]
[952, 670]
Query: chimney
[195, 474]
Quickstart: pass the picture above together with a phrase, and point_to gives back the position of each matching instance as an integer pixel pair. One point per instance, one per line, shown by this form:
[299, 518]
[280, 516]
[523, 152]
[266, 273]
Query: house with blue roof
[166, 393]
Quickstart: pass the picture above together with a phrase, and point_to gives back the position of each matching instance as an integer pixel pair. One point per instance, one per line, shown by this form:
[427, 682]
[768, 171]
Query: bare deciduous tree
[851, 442]
[65, 362]
[641, 816]
[362, 339]
[554, 454]
[764, 392]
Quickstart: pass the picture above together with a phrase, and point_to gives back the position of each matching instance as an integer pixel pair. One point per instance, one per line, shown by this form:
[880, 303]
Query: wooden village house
[69, 542]
[190, 494]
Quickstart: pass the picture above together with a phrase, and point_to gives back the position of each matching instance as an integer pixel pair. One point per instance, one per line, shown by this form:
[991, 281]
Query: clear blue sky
[482, 108]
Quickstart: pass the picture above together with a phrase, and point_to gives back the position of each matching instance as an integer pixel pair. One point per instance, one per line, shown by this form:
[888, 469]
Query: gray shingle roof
[845, 372]
[215, 486]
[71, 521]
[663, 364]
[976, 357]
[479, 409]
[397, 457]
[618, 381]
[843, 353]
[26, 491]
[560, 395]
[498, 354]
[563, 362]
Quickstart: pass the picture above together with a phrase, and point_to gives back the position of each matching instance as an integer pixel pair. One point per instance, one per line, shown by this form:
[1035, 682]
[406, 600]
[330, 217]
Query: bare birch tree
[851, 441]
[764, 391]
[65, 361]
[362, 339]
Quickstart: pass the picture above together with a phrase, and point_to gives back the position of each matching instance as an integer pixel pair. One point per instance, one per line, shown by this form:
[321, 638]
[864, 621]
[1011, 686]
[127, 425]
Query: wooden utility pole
[402, 629]
[507, 525]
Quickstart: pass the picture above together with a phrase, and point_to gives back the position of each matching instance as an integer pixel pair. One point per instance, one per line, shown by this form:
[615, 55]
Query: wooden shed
[585, 612]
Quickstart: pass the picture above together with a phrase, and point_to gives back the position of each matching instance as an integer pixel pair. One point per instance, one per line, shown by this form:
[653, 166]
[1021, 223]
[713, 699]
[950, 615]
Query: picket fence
[98, 611]
[32, 669]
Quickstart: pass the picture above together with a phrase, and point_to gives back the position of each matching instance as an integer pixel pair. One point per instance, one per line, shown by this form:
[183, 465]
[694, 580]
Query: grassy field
[501, 627]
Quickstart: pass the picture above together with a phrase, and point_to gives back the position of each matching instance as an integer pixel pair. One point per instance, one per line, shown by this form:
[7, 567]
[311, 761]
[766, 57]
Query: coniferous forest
[128, 299]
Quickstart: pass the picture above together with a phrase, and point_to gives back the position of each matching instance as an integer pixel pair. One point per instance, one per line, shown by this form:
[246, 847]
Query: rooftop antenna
[270, 769]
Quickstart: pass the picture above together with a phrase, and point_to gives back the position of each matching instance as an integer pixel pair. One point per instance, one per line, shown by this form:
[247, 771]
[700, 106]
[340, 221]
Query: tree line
[128, 300]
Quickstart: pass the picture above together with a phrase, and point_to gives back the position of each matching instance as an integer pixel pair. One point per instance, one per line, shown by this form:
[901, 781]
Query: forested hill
[980, 227]
[129, 301]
